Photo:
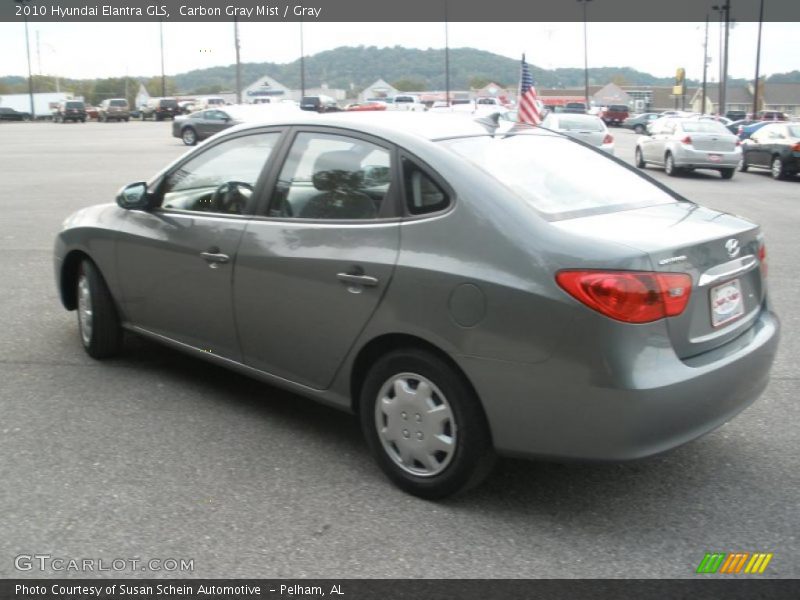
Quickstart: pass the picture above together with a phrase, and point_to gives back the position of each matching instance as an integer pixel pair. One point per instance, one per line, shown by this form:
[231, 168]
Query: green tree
[406, 84]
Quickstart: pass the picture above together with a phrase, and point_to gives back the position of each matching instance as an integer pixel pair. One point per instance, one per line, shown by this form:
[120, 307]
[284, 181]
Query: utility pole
[758, 59]
[30, 73]
[705, 67]
[238, 61]
[585, 55]
[446, 57]
[724, 81]
[163, 77]
[302, 64]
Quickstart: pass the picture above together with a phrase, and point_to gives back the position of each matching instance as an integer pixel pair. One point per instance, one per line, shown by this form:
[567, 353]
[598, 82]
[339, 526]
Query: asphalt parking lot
[156, 455]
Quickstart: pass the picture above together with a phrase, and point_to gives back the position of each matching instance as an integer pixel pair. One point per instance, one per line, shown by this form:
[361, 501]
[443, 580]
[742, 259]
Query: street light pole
[446, 57]
[238, 61]
[163, 77]
[705, 68]
[724, 82]
[30, 73]
[302, 65]
[758, 59]
[585, 55]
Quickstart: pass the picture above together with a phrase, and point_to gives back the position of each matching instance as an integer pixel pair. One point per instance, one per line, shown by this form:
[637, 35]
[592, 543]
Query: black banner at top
[394, 10]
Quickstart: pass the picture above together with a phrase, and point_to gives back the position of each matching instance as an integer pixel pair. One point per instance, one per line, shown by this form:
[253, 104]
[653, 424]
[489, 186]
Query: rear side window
[704, 127]
[119, 103]
[423, 194]
[540, 169]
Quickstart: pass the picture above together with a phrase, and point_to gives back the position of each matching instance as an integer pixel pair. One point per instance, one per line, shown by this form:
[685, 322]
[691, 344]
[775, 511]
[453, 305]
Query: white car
[587, 128]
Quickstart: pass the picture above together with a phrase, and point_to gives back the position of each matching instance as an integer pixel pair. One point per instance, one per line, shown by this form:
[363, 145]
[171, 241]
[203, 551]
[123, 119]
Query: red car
[91, 112]
[372, 105]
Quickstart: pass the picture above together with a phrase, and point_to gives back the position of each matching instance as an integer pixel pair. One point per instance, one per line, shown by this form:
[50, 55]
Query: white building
[379, 89]
[266, 88]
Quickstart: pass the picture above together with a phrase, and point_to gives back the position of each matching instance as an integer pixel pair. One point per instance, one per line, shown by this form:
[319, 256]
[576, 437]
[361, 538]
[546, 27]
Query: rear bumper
[701, 159]
[562, 410]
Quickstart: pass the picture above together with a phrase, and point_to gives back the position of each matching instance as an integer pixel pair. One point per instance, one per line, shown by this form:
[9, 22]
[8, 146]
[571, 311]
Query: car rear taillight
[762, 257]
[609, 139]
[738, 142]
[796, 148]
[687, 140]
[629, 296]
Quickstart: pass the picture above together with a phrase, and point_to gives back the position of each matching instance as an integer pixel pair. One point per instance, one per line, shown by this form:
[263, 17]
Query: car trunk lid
[719, 251]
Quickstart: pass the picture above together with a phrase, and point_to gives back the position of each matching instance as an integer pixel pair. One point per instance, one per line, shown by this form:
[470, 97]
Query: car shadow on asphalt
[519, 486]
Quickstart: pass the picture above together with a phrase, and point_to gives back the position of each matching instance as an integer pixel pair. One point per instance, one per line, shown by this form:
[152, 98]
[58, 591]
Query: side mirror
[134, 196]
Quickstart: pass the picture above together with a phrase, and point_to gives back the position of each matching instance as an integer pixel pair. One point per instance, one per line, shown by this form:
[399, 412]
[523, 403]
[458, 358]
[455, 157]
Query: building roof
[782, 93]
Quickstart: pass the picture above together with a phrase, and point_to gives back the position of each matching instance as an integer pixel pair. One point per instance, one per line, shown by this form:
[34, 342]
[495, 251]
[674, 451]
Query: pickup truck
[407, 102]
[614, 114]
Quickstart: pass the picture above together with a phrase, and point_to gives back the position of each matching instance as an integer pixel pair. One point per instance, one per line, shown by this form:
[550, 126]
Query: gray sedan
[201, 125]
[450, 281]
[685, 144]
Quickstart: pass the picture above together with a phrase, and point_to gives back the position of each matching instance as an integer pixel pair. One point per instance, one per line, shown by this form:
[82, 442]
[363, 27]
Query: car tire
[727, 173]
[83, 120]
[743, 166]
[432, 457]
[669, 166]
[189, 136]
[640, 163]
[98, 322]
[638, 129]
[777, 168]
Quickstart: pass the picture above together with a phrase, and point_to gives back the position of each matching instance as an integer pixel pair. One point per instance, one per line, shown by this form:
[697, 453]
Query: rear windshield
[618, 108]
[169, 103]
[558, 177]
[576, 123]
[74, 105]
[122, 103]
[705, 127]
[309, 100]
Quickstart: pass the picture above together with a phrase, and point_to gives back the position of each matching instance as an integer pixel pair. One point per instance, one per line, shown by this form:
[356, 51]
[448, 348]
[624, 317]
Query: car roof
[426, 126]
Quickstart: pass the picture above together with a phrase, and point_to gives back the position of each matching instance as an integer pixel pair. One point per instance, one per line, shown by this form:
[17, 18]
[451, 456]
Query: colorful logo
[735, 563]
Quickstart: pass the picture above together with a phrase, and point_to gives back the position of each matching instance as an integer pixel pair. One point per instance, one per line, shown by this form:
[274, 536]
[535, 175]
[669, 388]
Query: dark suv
[160, 109]
[114, 109]
[319, 104]
[71, 110]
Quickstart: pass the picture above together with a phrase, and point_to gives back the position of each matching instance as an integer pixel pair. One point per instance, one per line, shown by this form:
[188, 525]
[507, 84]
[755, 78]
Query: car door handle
[215, 257]
[352, 279]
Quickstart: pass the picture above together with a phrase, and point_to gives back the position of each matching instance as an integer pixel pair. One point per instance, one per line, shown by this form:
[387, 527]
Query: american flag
[528, 104]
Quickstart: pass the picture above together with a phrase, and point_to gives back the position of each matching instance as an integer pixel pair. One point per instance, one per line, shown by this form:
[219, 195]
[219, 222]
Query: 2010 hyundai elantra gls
[467, 288]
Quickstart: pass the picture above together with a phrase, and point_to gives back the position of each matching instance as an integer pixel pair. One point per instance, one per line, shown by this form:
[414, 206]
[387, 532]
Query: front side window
[332, 177]
[221, 179]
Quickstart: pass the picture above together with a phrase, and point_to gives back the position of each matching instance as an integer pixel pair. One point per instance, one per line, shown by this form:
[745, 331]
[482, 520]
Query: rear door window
[328, 176]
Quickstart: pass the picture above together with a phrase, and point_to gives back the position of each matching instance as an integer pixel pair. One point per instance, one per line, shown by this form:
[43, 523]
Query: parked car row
[685, 144]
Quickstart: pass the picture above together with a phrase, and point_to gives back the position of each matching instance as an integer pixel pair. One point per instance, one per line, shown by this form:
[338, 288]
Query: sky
[89, 50]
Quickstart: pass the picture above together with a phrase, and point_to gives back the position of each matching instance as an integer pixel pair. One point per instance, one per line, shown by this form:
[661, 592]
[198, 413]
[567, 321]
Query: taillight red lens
[687, 140]
[609, 139]
[762, 258]
[796, 148]
[629, 296]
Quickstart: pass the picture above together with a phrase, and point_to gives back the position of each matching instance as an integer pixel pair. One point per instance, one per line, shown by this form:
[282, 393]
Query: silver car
[587, 128]
[686, 144]
[451, 281]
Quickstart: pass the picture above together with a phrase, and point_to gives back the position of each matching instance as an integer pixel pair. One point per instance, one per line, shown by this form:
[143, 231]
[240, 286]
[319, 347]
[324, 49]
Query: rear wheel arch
[382, 345]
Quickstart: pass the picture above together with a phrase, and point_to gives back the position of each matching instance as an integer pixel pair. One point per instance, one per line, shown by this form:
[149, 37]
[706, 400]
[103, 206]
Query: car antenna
[491, 122]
